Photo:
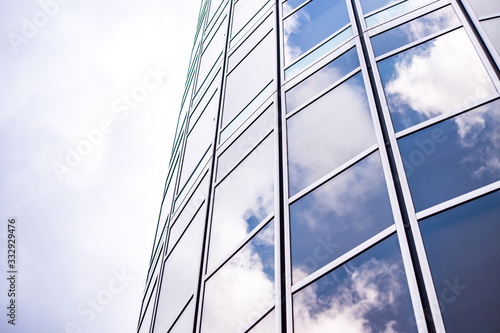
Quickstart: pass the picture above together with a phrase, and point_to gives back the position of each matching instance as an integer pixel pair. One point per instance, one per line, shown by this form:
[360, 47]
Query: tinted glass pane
[185, 322]
[321, 79]
[266, 325]
[290, 5]
[180, 275]
[485, 7]
[328, 132]
[414, 30]
[243, 289]
[242, 201]
[244, 10]
[462, 246]
[399, 8]
[453, 157]
[371, 5]
[433, 78]
[367, 294]
[492, 28]
[249, 78]
[312, 24]
[338, 216]
[245, 142]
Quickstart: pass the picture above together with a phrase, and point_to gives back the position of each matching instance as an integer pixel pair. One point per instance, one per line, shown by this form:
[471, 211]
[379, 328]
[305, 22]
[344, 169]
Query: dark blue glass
[312, 24]
[338, 216]
[367, 294]
[453, 157]
[414, 30]
[321, 79]
[433, 78]
[463, 249]
[242, 290]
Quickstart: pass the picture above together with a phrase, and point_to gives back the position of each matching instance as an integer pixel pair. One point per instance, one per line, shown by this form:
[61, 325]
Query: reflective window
[199, 141]
[148, 316]
[244, 10]
[453, 157]
[463, 251]
[338, 216]
[414, 30]
[433, 78]
[266, 325]
[210, 93]
[317, 135]
[492, 28]
[367, 294]
[245, 142]
[485, 7]
[242, 201]
[249, 78]
[290, 5]
[213, 50]
[185, 322]
[180, 275]
[312, 24]
[372, 5]
[243, 289]
[321, 79]
[214, 5]
[398, 8]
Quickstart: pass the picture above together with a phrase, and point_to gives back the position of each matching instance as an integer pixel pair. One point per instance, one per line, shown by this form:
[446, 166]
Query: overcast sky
[89, 98]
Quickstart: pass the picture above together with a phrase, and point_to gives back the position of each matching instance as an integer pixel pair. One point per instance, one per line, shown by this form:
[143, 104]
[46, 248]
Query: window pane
[312, 24]
[242, 201]
[492, 28]
[414, 30]
[338, 216]
[246, 141]
[290, 5]
[462, 246]
[244, 10]
[485, 7]
[399, 8]
[213, 50]
[148, 316]
[321, 79]
[249, 78]
[367, 294]
[453, 157]
[266, 325]
[180, 275]
[328, 133]
[243, 289]
[433, 78]
[185, 322]
[371, 5]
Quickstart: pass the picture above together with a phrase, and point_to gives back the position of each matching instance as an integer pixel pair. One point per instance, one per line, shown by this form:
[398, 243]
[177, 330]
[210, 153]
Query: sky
[89, 99]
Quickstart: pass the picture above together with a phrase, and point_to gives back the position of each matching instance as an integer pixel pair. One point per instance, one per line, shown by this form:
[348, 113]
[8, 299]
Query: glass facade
[336, 168]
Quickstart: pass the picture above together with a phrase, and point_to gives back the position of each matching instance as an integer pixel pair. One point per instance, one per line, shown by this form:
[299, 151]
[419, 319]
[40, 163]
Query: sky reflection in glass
[317, 135]
[433, 78]
[243, 289]
[338, 216]
[321, 79]
[242, 201]
[463, 249]
[453, 157]
[312, 24]
[367, 294]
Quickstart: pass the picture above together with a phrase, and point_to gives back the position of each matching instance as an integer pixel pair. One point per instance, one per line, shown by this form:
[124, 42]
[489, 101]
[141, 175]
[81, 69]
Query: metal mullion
[231, 253]
[257, 144]
[446, 116]
[484, 54]
[336, 263]
[332, 174]
[472, 195]
[253, 48]
[202, 164]
[180, 314]
[260, 319]
[418, 42]
[428, 281]
[249, 26]
[323, 92]
[296, 9]
[378, 10]
[252, 30]
[410, 273]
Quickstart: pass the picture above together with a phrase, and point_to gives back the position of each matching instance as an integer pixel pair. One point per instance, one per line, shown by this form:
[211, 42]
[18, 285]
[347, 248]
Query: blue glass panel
[414, 30]
[433, 78]
[367, 294]
[338, 216]
[290, 5]
[453, 157]
[242, 290]
[312, 24]
[371, 5]
[321, 79]
[463, 249]
[318, 134]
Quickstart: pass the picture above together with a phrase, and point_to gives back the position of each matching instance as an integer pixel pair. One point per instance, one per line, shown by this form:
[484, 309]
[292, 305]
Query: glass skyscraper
[336, 168]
